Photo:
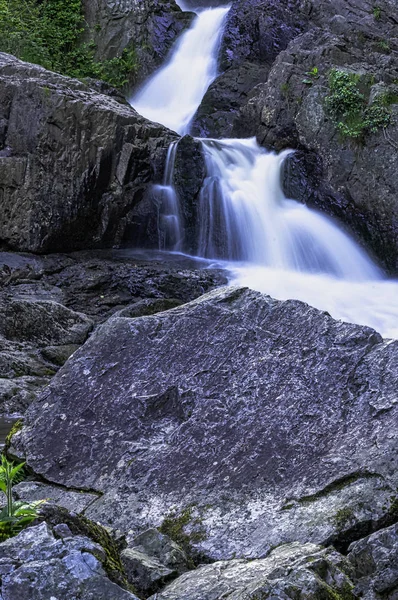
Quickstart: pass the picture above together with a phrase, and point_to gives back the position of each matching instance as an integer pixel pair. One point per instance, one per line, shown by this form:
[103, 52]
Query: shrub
[349, 109]
[49, 33]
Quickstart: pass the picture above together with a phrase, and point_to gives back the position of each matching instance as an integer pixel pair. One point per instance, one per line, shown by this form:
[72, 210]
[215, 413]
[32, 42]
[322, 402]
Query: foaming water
[173, 94]
[289, 251]
[371, 302]
[243, 204]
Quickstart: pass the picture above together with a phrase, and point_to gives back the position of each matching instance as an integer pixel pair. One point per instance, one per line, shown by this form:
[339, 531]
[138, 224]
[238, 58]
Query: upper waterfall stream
[173, 94]
[268, 242]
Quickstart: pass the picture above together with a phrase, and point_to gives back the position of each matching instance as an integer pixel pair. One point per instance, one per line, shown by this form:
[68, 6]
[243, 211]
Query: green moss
[174, 526]
[349, 108]
[343, 517]
[377, 12]
[14, 429]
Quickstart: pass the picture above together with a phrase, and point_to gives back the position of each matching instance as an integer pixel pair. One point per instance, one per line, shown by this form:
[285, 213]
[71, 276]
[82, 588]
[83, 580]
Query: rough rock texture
[267, 421]
[355, 180]
[375, 563]
[74, 163]
[149, 26]
[37, 566]
[43, 301]
[151, 559]
[31, 491]
[292, 571]
[269, 52]
[217, 112]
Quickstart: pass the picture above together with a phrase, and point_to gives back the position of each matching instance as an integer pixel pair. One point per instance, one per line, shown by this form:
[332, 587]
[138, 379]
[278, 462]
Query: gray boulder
[246, 421]
[37, 566]
[375, 563]
[74, 163]
[151, 559]
[292, 571]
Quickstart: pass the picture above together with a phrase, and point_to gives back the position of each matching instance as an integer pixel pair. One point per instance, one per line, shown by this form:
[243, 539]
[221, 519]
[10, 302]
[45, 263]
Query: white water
[173, 94]
[271, 244]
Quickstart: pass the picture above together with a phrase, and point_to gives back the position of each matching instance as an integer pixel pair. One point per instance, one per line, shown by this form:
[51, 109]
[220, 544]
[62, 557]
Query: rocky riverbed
[190, 440]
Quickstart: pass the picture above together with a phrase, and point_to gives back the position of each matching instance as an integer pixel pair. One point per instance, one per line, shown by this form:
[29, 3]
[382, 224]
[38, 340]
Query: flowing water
[267, 242]
[173, 94]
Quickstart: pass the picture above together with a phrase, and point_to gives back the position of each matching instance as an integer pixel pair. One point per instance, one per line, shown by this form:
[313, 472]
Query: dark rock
[292, 571]
[42, 301]
[79, 164]
[216, 115]
[163, 548]
[375, 563]
[150, 27]
[144, 572]
[265, 421]
[189, 174]
[37, 566]
[258, 30]
[353, 180]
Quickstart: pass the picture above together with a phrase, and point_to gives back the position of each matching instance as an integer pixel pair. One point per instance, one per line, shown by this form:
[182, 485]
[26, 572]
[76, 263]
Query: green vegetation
[174, 526]
[15, 515]
[49, 33]
[377, 13]
[349, 108]
[311, 76]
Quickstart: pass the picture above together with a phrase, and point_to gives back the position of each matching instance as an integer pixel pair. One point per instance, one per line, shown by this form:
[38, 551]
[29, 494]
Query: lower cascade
[267, 242]
[274, 244]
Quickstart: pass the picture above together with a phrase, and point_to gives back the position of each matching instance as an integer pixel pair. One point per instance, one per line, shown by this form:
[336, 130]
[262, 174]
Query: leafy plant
[50, 32]
[15, 515]
[312, 74]
[377, 13]
[349, 109]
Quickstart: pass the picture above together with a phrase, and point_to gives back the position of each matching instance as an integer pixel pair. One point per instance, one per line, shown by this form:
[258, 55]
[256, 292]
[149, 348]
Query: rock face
[277, 58]
[49, 305]
[292, 571]
[36, 565]
[150, 27]
[355, 180]
[375, 563]
[249, 421]
[74, 164]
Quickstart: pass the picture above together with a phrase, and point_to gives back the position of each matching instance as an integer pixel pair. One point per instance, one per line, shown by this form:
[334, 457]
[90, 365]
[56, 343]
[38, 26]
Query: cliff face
[74, 164]
[278, 60]
[149, 26]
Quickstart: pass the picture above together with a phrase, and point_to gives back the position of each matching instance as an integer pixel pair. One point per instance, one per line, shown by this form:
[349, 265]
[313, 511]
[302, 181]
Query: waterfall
[173, 94]
[242, 203]
[266, 241]
[170, 232]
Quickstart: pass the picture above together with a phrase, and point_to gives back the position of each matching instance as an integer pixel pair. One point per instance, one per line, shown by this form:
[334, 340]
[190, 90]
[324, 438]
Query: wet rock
[149, 27]
[78, 162]
[37, 566]
[250, 422]
[216, 114]
[42, 301]
[352, 179]
[375, 562]
[292, 571]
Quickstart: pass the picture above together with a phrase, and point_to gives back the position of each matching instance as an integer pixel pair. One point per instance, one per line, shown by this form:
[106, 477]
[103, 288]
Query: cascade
[267, 242]
[173, 94]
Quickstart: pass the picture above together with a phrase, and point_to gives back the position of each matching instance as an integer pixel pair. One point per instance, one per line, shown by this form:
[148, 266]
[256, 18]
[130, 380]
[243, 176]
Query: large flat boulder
[74, 163]
[244, 420]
